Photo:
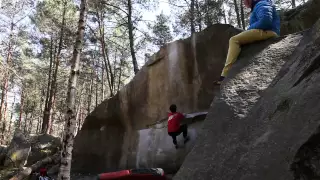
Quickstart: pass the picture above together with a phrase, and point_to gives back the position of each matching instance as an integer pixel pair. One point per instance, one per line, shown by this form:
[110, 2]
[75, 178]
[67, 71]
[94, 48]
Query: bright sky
[163, 6]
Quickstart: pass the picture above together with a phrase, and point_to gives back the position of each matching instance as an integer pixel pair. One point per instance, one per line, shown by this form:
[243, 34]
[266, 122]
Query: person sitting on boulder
[174, 127]
[264, 24]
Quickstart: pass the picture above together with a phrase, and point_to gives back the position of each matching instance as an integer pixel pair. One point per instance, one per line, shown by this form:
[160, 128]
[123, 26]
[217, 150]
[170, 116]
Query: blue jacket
[264, 16]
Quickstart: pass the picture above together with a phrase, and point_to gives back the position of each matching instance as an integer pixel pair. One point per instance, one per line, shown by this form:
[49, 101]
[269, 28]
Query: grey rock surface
[3, 153]
[42, 146]
[153, 148]
[182, 72]
[300, 18]
[265, 122]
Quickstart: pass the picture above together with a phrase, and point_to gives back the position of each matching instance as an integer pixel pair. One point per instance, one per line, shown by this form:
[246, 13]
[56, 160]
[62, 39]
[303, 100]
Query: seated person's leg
[235, 43]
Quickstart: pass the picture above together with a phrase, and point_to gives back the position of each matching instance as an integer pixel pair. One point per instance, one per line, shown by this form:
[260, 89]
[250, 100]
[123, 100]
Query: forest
[61, 58]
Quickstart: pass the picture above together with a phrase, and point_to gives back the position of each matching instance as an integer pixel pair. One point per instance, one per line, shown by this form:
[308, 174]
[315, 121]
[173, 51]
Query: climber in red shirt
[174, 127]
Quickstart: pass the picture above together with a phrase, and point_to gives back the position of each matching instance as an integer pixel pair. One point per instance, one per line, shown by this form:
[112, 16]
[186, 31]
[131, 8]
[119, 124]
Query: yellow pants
[243, 38]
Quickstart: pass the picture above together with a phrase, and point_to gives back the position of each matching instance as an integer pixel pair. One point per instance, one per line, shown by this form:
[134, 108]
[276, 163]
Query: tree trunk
[208, 20]
[25, 120]
[48, 118]
[38, 125]
[115, 71]
[90, 93]
[21, 106]
[293, 3]
[79, 109]
[199, 16]
[225, 17]
[5, 114]
[102, 82]
[236, 9]
[131, 38]
[105, 54]
[193, 29]
[70, 116]
[41, 111]
[96, 88]
[111, 71]
[3, 130]
[80, 119]
[120, 73]
[30, 123]
[46, 112]
[3, 95]
[51, 119]
[6, 76]
[12, 112]
[242, 15]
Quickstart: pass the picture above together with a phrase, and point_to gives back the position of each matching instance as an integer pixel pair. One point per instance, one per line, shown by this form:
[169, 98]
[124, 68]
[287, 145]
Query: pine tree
[161, 30]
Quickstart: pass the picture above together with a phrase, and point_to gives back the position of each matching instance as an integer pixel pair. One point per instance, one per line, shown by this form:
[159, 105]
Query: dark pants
[183, 129]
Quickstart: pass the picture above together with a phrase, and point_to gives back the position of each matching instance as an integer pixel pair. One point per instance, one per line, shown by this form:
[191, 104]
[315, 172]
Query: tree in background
[195, 15]
[161, 30]
[236, 9]
[12, 16]
[70, 116]
[131, 37]
[55, 19]
[243, 23]
[191, 16]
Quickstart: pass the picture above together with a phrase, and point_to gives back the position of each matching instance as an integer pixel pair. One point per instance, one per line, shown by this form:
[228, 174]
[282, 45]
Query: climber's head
[248, 3]
[252, 3]
[43, 172]
[173, 108]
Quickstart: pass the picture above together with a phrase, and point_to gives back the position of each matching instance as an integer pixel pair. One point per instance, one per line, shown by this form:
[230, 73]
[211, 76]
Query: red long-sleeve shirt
[174, 120]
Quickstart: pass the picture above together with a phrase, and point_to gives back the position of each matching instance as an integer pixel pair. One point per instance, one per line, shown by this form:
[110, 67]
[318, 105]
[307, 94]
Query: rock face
[3, 153]
[265, 122]
[42, 146]
[182, 72]
[300, 18]
[25, 150]
[18, 150]
[154, 148]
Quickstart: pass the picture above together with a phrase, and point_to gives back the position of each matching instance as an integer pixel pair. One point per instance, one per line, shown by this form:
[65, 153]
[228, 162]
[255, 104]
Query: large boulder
[265, 122]
[300, 18]
[25, 149]
[18, 150]
[182, 72]
[3, 153]
[42, 146]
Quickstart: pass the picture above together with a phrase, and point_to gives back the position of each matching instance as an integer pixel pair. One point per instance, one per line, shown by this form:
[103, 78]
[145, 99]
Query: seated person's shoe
[219, 81]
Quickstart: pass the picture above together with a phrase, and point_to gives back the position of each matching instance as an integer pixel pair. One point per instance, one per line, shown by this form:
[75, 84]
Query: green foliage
[161, 30]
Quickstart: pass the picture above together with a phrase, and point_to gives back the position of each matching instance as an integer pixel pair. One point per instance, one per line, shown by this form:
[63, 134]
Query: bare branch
[114, 6]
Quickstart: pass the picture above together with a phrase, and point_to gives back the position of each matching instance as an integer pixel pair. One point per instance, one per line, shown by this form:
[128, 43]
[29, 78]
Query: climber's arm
[264, 15]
